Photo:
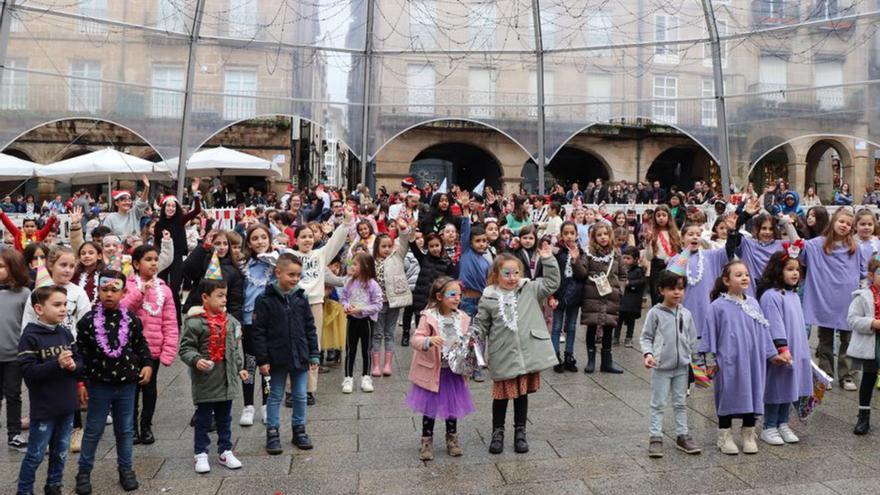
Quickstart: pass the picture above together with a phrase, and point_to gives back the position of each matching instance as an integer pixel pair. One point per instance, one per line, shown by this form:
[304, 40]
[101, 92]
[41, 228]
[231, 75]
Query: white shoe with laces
[201, 463]
[849, 385]
[787, 434]
[229, 460]
[347, 385]
[247, 416]
[770, 436]
[366, 384]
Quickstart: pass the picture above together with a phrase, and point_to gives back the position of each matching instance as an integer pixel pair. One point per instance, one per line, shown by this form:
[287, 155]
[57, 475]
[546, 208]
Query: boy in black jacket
[285, 344]
[49, 364]
[631, 303]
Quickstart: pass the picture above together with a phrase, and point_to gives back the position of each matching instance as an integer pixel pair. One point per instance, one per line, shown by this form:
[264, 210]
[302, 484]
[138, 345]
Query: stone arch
[770, 158]
[829, 164]
[12, 151]
[465, 164]
[681, 165]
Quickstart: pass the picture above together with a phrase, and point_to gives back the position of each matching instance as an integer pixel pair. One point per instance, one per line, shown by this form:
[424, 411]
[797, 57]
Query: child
[866, 228]
[258, 273]
[28, 232]
[116, 358]
[864, 322]
[631, 302]
[778, 293]
[603, 274]
[511, 322]
[88, 269]
[150, 298]
[668, 340]
[661, 243]
[49, 361]
[765, 240]
[361, 300]
[395, 295]
[286, 344]
[568, 298]
[432, 265]
[217, 243]
[14, 297]
[436, 391]
[552, 227]
[35, 255]
[210, 345]
[738, 338]
[113, 253]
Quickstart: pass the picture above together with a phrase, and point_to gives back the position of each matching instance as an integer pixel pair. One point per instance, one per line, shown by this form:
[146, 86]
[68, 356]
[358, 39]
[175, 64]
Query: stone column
[859, 172]
[797, 177]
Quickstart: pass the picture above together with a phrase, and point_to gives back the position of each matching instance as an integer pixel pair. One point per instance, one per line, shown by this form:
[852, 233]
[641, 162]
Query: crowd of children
[273, 302]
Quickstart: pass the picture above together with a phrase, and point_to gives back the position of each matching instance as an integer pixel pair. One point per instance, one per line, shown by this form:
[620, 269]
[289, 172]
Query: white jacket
[859, 317]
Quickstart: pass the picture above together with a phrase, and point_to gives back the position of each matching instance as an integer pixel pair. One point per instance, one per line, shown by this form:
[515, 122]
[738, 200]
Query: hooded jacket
[670, 336]
[160, 330]
[284, 330]
[796, 208]
[859, 318]
[221, 383]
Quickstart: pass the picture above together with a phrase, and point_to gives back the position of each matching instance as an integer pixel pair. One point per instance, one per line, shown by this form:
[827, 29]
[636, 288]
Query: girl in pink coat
[151, 299]
[436, 391]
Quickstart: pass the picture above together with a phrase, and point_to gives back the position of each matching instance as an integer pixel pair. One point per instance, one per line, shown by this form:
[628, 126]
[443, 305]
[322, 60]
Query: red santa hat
[169, 197]
[408, 183]
[119, 194]
[414, 193]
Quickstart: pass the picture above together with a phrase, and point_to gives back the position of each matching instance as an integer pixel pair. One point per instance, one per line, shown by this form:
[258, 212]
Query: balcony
[797, 101]
[771, 13]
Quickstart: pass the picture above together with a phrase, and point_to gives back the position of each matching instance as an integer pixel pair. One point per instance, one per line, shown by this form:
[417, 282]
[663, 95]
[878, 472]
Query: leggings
[247, 387]
[607, 333]
[407, 318]
[428, 426]
[150, 395]
[520, 411]
[359, 330]
[657, 266]
[869, 378]
[627, 319]
[727, 421]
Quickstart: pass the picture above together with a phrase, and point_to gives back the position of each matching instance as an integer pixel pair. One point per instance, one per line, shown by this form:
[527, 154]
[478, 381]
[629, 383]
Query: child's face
[811, 218]
[589, 216]
[236, 251]
[692, 238]
[354, 270]
[569, 235]
[449, 235]
[148, 266]
[672, 295]
[628, 260]
[54, 310]
[508, 275]
[305, 240]
[479, 243]
[579, 216]
[420, 240]
[111, 246]
[221, 245]
[766, 233]
[435, 248]
[602, 237]
[721, 231]
[874, 278]
[450, 298]
[39, 258]
[791, 273]
[110, 294]
[363, 231]
[661, 218]
[4, 271]
[385, 247]
[215, 302]
[738, 280]
[62, 269]
[843, 225]
[527, 241]
[29, 227]
[259, 241]
[88, 256]
[865, 227]
[288, 275]
[492, 231]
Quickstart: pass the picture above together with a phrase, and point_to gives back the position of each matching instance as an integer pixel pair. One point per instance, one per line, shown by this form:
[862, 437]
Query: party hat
[443, 188]
[214, 272]
[480, 188]
[679, 264]
[43, 279]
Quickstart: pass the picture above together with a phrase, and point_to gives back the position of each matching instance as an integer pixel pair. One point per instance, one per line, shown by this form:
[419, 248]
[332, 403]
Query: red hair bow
[792, 249]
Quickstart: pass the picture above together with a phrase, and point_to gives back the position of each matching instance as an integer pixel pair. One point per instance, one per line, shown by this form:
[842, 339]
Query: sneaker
[655, 447]
[18, 443]
[247, 416]
[787, 435]
[687, 445]
[229, 460]
[76, 437]
[770, 436]
[478, 376]
[263, 413]
[366, 383]
[310, 399]
[348, 385]
[109, 420]
[849, 385]
[628, 342]
[201, 463]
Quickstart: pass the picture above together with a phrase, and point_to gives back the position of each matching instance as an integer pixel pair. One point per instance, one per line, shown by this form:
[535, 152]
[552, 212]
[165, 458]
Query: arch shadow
[818, 137]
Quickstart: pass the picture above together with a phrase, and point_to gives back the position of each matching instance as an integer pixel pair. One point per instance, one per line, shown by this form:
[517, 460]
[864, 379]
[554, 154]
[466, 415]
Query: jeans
[101, 397]
[298, 384]
[662, 383]
[221, 412]
[776, 414]
[469, 305]
[825, 353]
[383, 330]
[54, 433]
[10, 378]
[569, 315]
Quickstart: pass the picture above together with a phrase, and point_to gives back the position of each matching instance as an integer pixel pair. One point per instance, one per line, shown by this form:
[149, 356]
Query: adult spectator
[871, 196]
[843, 196]
[810, 198]
[125, 220]
[557, 193]
[574, 194]
[657, 195]
[57, 205]
[83, 201]
[7, 205]
[599, 194]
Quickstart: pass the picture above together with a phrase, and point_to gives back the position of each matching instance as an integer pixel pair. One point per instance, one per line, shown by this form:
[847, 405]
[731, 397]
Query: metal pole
[539, 75]
[5, 25]
[183, 156]
[368, 66]
[720, 108]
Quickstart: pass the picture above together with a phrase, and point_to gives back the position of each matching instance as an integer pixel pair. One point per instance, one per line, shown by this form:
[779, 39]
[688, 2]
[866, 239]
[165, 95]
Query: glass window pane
[13, 92]
[85, 95]
[239, 82]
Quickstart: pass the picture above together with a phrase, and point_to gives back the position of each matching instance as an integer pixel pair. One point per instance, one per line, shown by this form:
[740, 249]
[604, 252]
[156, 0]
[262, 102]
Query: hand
[437, 340]
[83, 395]
[195, 184]
[209, 239]
[348, 213]
[649, 361]
[464, 198]
[777, 360]
[552, 302]
[264, 370]
[546, 250]
[752, 206]
[145, 374]
[166, 236]
[786, 357]
[146, 182]
[573, 251]
[203, 365]
[65, 359]
[490, 197]
[244, 375]
[76, 215]
[313, 367]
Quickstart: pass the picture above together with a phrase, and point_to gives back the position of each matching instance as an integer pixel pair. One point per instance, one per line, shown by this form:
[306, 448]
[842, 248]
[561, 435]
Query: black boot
[863, 424]
[136, 433]
[570, 364]
[83, 483]
[520, 444]
[147, 437]
[591, 361]
[310, 399]
[496, 446]
[558, 367]
[128, 480]
[300, 439]
[608, 365]
[404, 339]
[273, 442]
[52, 490]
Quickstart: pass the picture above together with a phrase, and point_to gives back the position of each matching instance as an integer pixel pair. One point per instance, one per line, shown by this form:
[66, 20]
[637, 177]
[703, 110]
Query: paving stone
[317, 483]
[458, 479]
[769, 472]
[526, 470]
[686, 481]
[271, 466]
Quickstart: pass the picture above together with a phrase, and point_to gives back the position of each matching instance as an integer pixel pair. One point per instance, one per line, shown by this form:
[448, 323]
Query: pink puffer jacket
[161, 330]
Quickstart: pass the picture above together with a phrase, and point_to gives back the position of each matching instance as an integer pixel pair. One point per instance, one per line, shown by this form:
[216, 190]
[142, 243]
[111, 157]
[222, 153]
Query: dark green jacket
[221, 383]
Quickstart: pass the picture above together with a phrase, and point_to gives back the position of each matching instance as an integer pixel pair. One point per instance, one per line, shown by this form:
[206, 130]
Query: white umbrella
[12, 168]
[224, 161]
[100, 166]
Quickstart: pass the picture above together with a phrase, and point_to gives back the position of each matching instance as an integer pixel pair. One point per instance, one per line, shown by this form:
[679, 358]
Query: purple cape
[830, 282]
[785, 315]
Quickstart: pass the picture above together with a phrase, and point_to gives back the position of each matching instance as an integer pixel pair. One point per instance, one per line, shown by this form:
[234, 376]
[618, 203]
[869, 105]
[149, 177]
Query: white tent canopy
[12, 168]
[98, 166]
[224, 161]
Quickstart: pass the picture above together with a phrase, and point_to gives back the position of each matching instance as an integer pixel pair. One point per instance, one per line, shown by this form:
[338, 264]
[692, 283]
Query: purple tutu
[452, 402]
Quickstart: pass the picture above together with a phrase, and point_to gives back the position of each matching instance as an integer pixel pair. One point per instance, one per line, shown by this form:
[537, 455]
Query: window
[243, 18]
[167, 104]
[483, 23]
[85, 94]
[829, 73]
[828, 9]
[707, 47]
[598, 33]
[96, 9]
[241, 82]
[665, 111]
[549, 21]
[171, 17]
[772, 77]
[16, 26]
[708, 110]
[598, 97]
[422, 18]
[665, 30]
[420, 82]
[14, 91]
[481, 93]
[775, 8]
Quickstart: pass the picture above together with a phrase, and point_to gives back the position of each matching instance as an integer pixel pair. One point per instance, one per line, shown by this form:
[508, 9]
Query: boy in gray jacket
[668, 339]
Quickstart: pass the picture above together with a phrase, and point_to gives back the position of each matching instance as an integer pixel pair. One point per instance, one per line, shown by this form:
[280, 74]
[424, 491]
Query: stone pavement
[588, 434]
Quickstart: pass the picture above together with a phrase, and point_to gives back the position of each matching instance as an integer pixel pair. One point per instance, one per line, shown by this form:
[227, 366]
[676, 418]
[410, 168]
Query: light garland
[507, 308]
[160, 297]
[700, 267]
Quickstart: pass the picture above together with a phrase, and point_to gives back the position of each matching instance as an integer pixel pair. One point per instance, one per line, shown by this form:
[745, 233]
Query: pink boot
[388, 357]
[376, 369]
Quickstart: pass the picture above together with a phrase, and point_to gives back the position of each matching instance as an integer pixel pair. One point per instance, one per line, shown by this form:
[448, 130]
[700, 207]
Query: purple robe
[869, 248]
[830, 282]
[696, 297]
[742, 347]
[755, 255]
[784, 313]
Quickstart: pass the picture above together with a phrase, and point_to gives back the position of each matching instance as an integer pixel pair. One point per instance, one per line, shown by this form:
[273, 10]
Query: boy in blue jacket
[285, 344]
[49, 364]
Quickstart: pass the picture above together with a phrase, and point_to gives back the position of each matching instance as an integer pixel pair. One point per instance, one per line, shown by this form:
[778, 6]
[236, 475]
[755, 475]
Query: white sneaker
[366, 384]
[109, 420]
[770, 436]
[247, 416]
[562, 338]
[263, 413]
[201, 463]
[849, 385]
[787, 435]
[347, 385]
[229, 460]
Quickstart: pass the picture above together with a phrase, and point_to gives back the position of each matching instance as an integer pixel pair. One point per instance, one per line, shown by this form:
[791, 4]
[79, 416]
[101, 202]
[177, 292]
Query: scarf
[217, 339]
[876, 292]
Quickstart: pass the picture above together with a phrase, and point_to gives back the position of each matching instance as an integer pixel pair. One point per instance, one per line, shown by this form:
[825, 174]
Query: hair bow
[792, 249]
